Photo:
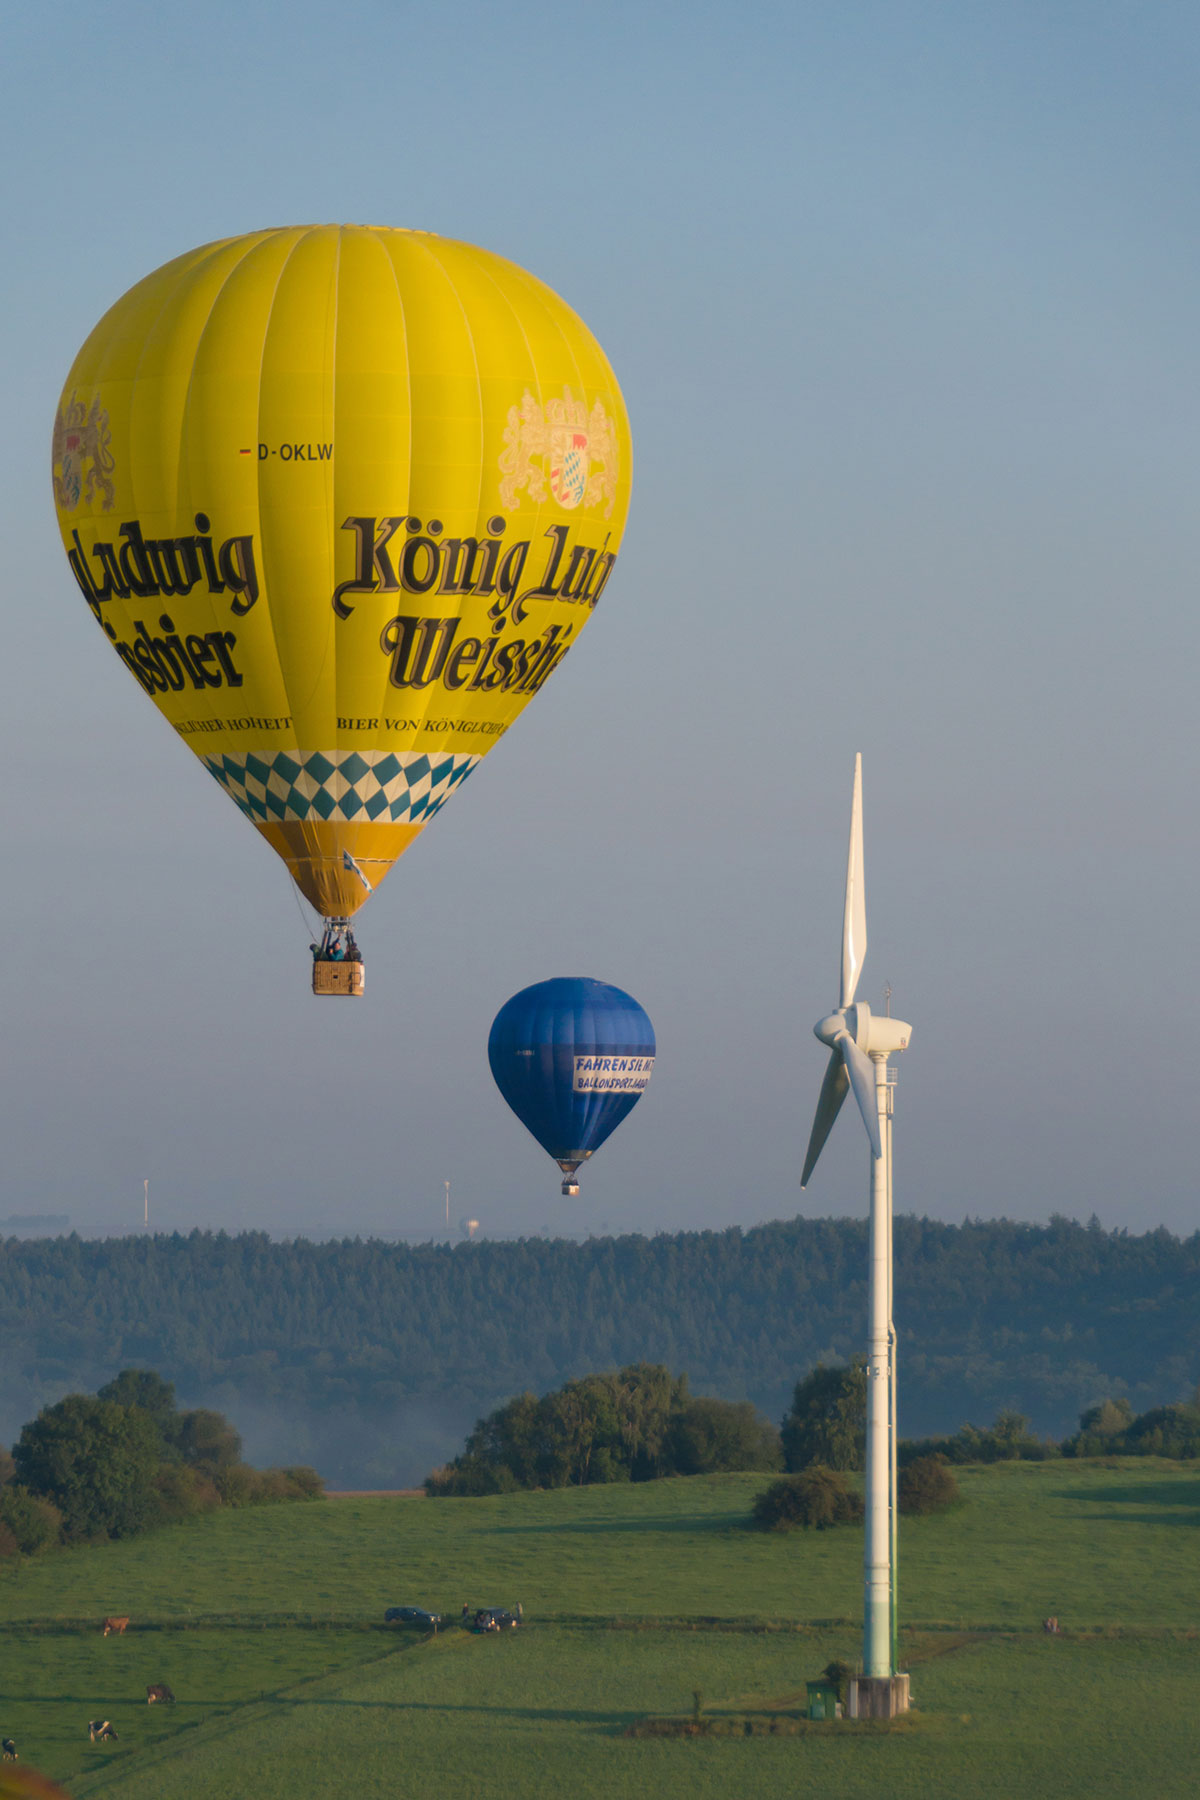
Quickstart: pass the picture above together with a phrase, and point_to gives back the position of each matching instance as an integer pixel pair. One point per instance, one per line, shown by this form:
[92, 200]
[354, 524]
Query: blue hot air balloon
[572, 1057]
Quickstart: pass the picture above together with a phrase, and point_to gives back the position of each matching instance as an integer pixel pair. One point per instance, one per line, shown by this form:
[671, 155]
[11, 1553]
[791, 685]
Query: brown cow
[99, 1729]
[117, 1625]
[159, 1691]
[10, 1750]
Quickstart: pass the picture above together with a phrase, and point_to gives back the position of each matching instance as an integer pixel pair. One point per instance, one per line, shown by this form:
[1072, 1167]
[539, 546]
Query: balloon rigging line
[311, 928]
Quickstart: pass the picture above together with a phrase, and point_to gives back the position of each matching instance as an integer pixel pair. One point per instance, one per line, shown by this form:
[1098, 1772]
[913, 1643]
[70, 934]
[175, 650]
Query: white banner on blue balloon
[612, 1074]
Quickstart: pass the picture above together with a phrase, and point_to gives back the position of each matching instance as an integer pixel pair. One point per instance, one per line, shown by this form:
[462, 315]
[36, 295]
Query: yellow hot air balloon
[341, 498]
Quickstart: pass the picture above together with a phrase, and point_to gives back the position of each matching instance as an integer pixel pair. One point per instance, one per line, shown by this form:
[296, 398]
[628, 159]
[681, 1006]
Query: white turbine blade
[854, 920]
[861, 1071]
[834, 1089]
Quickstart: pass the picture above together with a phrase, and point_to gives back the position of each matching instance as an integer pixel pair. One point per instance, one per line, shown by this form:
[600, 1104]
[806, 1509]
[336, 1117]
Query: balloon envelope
[340, 498]
[572, 1057]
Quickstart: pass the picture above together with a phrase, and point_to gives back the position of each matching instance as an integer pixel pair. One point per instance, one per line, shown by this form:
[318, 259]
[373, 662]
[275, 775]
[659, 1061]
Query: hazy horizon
[902, 302]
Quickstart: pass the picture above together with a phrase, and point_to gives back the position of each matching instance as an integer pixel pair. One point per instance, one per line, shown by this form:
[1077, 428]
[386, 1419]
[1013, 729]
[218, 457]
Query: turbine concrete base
[877, 1696]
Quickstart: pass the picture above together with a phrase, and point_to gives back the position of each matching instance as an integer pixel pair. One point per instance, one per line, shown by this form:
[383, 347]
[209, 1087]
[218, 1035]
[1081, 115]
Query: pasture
[268, 1626]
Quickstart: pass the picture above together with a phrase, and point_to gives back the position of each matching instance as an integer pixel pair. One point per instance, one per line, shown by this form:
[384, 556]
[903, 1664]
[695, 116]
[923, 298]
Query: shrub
[1111, 1429]
[235, 1483]
[470, 1475]
[1102, 1429]
[270, 1486]
[927, 1486]
[184, 1490]
[838, 1675]
[183, 1493]
[817, 1497]
[273, 1485]
[304, 1483]
[32, 1522]
[1107, 1420]
[1008, 1440]
[1164, 1431]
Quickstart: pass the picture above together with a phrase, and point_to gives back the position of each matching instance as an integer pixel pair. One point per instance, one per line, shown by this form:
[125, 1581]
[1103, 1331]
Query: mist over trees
[116, 1463]
[374, 1360]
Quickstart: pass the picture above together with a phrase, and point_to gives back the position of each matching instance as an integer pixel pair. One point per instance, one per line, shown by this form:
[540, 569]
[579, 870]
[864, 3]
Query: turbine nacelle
[872, 1034]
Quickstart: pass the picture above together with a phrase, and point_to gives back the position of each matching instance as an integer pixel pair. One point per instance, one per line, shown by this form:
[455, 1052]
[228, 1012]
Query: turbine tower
[859, 1047]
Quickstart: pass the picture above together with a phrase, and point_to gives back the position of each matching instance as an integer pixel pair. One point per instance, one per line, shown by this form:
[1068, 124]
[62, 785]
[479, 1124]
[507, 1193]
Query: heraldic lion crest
[82, 458]
[577, 451]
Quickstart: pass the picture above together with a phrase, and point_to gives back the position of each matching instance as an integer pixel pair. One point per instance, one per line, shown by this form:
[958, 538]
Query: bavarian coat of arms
[561, 448]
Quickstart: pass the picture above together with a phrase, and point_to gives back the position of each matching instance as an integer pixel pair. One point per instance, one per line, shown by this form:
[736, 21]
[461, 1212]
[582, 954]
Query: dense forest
[373, 1361]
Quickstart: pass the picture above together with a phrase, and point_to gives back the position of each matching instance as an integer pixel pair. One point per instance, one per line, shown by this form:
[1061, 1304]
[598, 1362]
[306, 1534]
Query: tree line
[637, 1424]
[641, 1423]
[116, 1463]
[826, 1425]
[379, 1356]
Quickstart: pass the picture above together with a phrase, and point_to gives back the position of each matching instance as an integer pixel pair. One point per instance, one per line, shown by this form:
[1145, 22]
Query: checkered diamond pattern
[400, 789]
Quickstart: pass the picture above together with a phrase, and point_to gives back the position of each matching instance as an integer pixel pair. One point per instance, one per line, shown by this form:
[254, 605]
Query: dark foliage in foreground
[367, 1343]
[635, 1425]
[817, 1499]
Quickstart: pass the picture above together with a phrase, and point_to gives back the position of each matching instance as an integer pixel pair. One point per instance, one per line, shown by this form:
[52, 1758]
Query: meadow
[268, 1625]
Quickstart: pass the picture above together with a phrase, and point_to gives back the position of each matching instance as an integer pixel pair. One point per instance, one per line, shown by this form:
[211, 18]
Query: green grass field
[268, 1626]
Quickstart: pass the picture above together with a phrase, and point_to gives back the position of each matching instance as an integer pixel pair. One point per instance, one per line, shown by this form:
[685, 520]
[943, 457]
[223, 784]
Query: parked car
[494, 1618]
[412, 1615]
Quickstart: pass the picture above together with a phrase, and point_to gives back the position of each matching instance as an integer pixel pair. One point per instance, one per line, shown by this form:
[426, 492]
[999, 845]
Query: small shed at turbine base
[823, 1700]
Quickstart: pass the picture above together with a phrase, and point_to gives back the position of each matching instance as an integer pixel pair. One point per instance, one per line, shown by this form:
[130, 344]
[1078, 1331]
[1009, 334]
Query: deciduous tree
[95, 1460]
[827, 1421]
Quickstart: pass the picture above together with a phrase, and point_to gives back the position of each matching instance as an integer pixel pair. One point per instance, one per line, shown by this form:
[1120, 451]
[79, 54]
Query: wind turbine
[859, 1046]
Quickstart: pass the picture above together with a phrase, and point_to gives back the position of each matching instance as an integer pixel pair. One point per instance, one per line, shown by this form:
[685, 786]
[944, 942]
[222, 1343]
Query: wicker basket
[337, 977]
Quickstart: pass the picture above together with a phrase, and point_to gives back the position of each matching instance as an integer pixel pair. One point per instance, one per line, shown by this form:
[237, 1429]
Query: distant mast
[146, 1200]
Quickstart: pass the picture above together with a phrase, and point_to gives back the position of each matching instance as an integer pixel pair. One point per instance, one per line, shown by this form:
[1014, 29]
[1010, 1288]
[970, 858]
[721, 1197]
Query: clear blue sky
[903, 299]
